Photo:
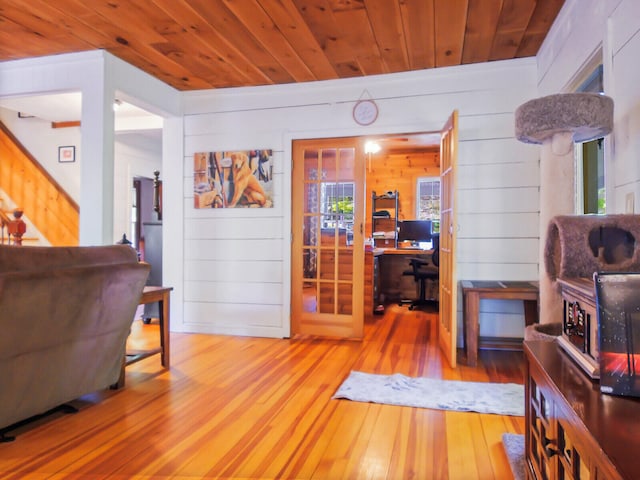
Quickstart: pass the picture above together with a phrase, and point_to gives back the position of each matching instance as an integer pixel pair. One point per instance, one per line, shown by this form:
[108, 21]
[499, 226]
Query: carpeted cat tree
[556, 122]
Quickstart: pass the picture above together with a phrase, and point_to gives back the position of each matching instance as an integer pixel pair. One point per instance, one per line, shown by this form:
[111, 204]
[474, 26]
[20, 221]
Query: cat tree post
[556, 122]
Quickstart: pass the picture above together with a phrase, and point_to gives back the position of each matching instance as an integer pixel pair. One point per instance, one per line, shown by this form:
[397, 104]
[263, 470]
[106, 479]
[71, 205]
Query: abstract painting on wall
[239, 179]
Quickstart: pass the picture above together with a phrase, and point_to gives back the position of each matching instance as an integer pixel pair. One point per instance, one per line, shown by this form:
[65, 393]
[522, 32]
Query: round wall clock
[365, 112]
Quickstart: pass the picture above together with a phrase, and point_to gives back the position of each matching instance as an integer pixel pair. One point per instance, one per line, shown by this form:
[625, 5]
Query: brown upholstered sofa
[65, 314]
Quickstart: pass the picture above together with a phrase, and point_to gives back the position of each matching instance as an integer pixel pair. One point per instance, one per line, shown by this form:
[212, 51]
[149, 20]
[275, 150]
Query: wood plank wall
[399, 172]
[47, 205]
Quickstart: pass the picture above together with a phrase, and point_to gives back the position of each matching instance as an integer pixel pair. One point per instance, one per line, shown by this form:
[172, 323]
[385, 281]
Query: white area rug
[497, 398]
[514, 447]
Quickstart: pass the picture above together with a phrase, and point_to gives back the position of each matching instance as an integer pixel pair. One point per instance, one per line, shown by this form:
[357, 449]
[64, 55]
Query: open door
[327, 264]
[448, 327]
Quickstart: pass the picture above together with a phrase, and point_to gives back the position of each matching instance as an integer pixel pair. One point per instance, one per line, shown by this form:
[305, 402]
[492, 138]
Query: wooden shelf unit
[380, 203]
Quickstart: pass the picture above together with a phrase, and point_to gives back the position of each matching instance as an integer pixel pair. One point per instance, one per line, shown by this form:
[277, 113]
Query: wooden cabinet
[372, 303]
[573, 431]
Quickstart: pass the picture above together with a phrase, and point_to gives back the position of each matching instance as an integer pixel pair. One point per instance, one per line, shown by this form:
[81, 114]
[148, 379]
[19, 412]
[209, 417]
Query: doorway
[328, 299]
[324, 211]
[141, 211]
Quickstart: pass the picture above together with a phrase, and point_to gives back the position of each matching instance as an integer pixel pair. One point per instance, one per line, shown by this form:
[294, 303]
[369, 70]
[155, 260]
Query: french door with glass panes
[448, 304]
[327, 245]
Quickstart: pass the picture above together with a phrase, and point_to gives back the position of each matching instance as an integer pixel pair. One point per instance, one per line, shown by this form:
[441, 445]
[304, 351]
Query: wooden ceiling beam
[220, 18]
[540, 23]
[226, 63]
[287, 18]
[202, 44]
[37, 34]
[514, 18]
[418, 24]
[251, 14]
[321, 20]
[388, 32]
[450, 23]
[356, 44]
[482, 22]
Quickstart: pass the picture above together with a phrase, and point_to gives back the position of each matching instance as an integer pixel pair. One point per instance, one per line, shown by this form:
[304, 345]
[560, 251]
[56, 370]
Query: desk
[395, 287]
[407, 252]
[160, 295]
[474, 290]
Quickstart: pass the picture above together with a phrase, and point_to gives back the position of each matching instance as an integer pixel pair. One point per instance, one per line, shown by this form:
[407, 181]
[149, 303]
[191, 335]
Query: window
[337, 205]
[591, 159]
[428, 201]
[590, 171]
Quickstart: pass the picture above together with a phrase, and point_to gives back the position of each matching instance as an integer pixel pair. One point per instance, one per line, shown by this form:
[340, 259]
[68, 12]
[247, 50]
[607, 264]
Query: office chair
[421, 274]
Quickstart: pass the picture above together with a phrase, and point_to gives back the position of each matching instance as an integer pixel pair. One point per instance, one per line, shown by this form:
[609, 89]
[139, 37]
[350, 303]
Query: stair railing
[15, 228]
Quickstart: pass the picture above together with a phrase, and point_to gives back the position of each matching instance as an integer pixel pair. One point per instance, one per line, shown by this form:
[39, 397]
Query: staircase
[46, 204]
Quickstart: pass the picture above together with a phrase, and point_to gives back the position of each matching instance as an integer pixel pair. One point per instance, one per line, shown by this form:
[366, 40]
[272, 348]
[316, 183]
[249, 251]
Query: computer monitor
[618, 309]
[416, 231]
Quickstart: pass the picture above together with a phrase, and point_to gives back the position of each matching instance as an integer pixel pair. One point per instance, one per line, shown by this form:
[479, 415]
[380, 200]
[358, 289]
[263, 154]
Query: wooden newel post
[156, 193]
[17, 227]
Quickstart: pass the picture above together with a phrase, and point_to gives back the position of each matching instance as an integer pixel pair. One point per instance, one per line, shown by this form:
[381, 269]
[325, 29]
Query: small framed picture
[67, 154]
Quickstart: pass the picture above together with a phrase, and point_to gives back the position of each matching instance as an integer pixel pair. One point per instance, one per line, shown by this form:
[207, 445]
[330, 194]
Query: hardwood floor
[255, 408]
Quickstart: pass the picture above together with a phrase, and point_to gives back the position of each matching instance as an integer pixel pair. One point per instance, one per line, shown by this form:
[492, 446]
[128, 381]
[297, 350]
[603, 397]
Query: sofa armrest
[64, 332]
[24, 258]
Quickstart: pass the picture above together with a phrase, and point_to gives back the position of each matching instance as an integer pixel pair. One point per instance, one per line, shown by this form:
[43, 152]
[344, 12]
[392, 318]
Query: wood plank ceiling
[202, 44]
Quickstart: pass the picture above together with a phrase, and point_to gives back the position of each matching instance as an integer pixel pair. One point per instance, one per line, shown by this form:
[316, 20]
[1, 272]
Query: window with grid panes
[337, 205]
[428, 201]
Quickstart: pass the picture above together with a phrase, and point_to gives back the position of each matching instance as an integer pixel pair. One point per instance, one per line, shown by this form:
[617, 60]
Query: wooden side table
[474, 290]
[149, 295]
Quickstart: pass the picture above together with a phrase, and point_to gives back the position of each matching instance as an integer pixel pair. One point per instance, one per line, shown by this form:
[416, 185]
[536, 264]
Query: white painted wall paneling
[263, 117]
[579, 30]
[503, 200]
[242, 292]
[498, 271]
[498, 225]
[233, 271]
[498, 175]
[233, 319]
